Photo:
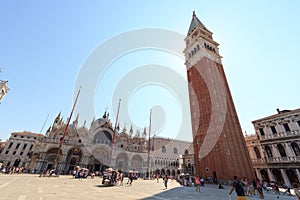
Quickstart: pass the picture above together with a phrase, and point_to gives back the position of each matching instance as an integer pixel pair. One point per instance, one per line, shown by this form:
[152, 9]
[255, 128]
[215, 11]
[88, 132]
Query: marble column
[289, 151]
[298, 174]
[258, 174]
[285, 178]
[270, 174]
[275, 151]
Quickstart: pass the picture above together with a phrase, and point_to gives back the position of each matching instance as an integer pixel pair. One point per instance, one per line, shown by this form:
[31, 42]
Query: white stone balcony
[276, 160]
[279, 135]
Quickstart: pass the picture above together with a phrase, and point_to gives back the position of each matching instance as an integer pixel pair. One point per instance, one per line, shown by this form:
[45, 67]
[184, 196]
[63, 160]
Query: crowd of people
[111, 177]
[13, 170]
[244, 188]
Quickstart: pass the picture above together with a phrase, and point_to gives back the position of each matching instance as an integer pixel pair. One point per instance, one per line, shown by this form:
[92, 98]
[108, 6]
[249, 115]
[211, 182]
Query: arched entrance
[101, 155]
[292, 176]
[122, 162]
[97, 166]
[136, 163]
[163, 172]
[73, 159]
[264, 175]
[157, 172]
[173, 172]
[278, 176]
[51, 156]
[168, 172]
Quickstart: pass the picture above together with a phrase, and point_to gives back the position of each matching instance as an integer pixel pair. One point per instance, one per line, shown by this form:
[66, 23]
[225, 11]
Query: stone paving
[32, 187]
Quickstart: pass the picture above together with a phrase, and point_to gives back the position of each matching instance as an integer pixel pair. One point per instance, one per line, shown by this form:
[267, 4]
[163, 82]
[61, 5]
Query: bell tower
[219, 145]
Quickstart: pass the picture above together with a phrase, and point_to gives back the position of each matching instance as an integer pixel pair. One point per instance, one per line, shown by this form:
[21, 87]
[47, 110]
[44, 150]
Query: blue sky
[43, 45]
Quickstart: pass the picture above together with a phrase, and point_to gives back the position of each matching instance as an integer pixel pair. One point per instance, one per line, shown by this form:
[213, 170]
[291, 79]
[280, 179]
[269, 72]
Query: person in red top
[197, 183]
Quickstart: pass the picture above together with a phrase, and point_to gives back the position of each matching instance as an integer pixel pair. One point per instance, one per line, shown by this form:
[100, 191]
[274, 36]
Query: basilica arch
[100, 158]
[136, 163]
[51, 156]
[122, 162]
[73, 158]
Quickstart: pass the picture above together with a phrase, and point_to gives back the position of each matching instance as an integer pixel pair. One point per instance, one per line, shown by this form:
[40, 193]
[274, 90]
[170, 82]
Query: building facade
[18, 149]
[219, 146]
[92, 148]
[274, 148]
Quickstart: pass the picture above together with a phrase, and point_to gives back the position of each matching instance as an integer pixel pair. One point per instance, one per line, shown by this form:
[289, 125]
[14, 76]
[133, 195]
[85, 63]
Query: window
[6, 152]
[14, 153]
[186, 152]
[175, 150]
[31, 147]
[261, 131]
[10, 144]
[281, 150]
[286, 127]
[295, 148]
[163, 149]
[25, 145]
[257, 153]
[298, 122]
[21, 153]
[273, 129]
[17, 145]
[268, 151]
[22, 136]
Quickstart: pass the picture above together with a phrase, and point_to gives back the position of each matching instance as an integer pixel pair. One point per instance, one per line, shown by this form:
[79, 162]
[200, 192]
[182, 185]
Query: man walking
[238, 187]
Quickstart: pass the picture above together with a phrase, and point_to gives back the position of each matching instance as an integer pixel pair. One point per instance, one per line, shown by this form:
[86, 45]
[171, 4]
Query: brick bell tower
[219, 145]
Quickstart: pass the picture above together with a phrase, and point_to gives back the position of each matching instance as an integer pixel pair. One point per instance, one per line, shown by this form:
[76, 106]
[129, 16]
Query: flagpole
[149, 145]
[65, 132]
[113, 139]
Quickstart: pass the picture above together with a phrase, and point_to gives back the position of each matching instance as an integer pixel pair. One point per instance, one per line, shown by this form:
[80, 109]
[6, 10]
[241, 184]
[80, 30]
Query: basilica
[95, 149]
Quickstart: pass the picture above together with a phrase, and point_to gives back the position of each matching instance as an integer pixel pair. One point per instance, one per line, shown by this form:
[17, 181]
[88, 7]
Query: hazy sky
[44, 44]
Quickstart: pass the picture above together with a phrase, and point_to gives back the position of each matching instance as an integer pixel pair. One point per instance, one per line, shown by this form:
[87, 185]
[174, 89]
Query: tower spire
[195, 23]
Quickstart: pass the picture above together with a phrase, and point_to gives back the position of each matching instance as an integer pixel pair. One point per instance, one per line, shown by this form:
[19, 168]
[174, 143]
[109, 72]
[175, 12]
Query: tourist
[237, 185]
[166, 181]
[130, 178]
[197, 183]
[251, 190]
[254, 187]
[245, 185]
[259, 189]
[121, 178]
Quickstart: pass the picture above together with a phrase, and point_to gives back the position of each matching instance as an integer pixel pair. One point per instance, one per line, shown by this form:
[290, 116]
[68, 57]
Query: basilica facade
[93, 148]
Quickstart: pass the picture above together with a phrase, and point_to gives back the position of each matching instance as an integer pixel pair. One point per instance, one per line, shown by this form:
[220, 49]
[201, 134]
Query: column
[289, 151]
[275, 151]
[285, 178]
[258, 174]
[298, 173]
[271, 176]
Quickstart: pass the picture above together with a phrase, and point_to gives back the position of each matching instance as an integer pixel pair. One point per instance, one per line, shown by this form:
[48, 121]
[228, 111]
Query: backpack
[239, 188]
